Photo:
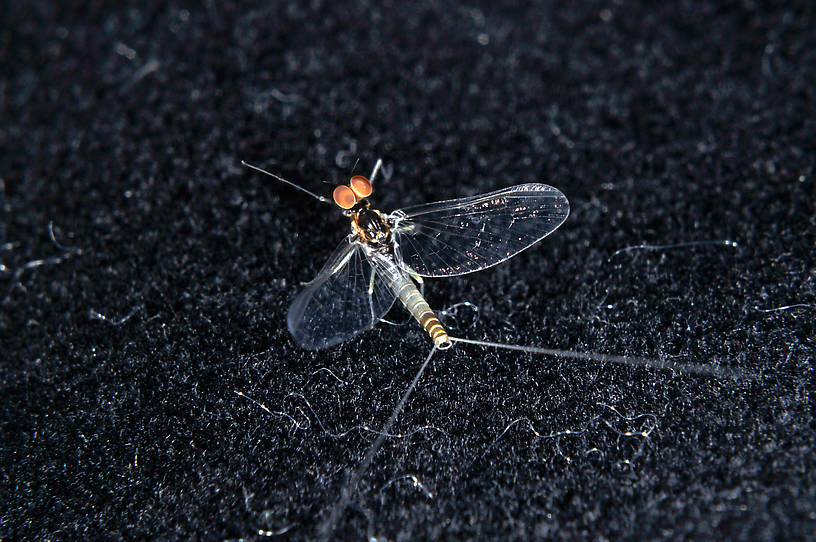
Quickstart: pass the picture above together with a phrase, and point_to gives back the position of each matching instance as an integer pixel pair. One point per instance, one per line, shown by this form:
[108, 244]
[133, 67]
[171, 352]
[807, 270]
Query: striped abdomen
[409, 295]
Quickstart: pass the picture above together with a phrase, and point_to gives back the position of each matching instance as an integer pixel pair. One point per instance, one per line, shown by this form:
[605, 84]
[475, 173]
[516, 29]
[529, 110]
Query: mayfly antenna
[290, 183]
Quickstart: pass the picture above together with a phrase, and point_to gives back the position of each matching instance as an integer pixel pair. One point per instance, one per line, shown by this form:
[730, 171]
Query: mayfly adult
[385, 256]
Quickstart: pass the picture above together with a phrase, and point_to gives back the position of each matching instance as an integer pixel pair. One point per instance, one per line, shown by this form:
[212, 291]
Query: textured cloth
[149, 388]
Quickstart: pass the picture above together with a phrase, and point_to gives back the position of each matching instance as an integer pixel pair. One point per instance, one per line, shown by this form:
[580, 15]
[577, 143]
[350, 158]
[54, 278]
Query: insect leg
[419, 281]
[371, 296]
[376, 170]
[290, 183]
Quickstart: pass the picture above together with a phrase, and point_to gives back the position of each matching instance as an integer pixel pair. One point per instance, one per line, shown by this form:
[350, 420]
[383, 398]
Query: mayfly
[385, 256]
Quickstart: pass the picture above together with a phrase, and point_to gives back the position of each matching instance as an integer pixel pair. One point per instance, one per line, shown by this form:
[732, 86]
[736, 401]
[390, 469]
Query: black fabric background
[126, 340]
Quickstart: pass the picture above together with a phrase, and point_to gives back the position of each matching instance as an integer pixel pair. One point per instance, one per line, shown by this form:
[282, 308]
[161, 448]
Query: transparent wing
[461, 236]
[337, 305]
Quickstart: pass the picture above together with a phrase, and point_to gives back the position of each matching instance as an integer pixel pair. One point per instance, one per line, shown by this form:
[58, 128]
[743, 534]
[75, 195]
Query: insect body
[374, 230]
[384, 254]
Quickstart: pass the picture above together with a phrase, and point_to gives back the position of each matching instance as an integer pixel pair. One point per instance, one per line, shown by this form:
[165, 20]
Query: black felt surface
[125, 342]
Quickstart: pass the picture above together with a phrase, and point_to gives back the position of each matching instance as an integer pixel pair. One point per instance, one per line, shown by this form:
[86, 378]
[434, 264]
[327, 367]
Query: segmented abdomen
[410, 296]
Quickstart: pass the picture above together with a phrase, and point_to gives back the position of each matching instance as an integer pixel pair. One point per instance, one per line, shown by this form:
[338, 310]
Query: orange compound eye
[344, 197]
[361, 186]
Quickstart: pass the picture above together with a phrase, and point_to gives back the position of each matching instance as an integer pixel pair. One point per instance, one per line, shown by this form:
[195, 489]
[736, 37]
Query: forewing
[461, 236]
[337, 305]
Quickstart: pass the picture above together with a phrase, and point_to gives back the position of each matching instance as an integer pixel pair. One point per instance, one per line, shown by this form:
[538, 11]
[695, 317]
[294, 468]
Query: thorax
[371, 226]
